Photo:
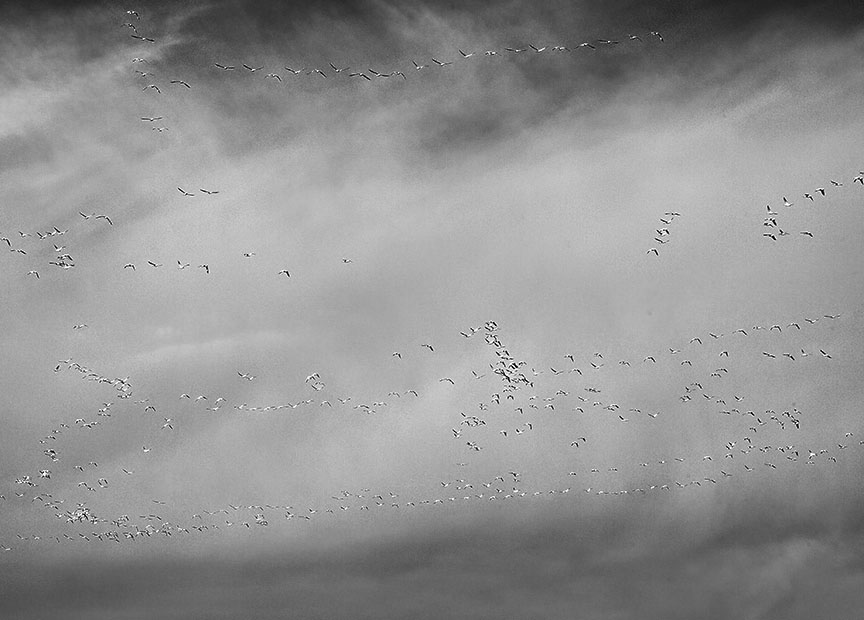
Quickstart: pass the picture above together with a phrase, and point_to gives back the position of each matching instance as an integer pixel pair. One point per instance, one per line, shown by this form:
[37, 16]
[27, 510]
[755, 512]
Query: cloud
[522, 188]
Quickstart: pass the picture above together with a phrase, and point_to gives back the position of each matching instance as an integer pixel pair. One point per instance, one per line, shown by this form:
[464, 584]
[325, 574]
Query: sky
[546, 333]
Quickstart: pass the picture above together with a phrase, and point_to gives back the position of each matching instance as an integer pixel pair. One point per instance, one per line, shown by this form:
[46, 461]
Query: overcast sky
[524, 188]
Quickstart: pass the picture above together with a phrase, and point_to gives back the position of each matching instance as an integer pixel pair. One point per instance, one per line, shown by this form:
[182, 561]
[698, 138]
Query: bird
[224, 67]
[184, 192]
[127, 265]
[154, 87]
[363, 75]
[808, 196]
[248, 254]
[656, 253]
[807, 232]
[208, 191]
[464, 55]
[149, 119]
[152, 264]
[441, 64]
[253, 70]
[181, 82]
[274, 76]
[285, 271]
[428, 346]
[33, 273]
[106, 218]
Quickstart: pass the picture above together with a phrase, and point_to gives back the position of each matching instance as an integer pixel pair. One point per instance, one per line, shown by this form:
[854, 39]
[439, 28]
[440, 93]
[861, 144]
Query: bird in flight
[151, 119]
[184, 192]
[285, 271]
[207, 191]
[224, 67]
[253, 70]
[181, 82]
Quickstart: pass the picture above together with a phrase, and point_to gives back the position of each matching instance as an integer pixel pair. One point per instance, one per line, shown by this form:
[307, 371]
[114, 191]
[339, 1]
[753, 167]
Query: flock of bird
[571, 405]
[567, 405]
[773, 219]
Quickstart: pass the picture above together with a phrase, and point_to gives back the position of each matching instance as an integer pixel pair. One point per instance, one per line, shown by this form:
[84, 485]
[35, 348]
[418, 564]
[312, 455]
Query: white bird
[285, 271]
[184, 192]
[181, 82]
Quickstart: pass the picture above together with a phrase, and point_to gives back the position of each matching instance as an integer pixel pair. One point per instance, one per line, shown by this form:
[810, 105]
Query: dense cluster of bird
[569, 404]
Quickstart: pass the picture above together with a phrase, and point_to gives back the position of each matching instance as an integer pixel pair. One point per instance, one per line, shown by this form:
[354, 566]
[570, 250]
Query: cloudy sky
[610, 446]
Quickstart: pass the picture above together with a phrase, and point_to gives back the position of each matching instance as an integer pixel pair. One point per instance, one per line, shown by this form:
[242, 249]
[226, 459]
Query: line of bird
[490, 490]
[663, 235]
